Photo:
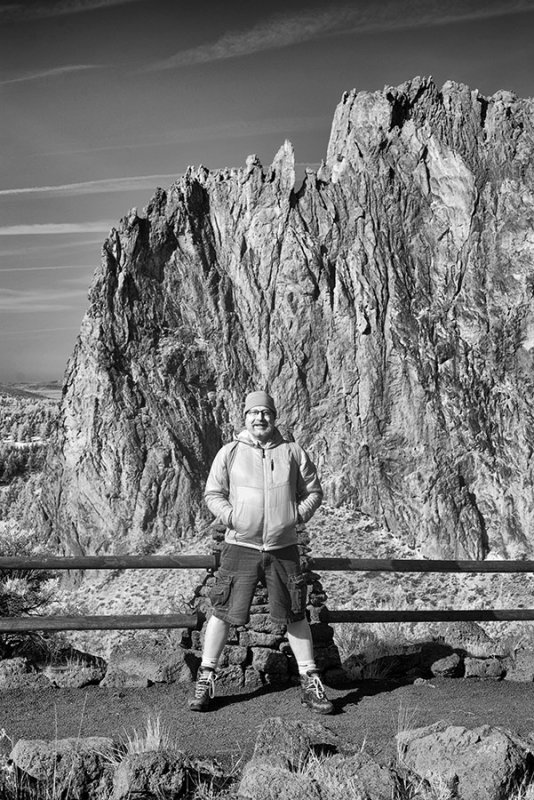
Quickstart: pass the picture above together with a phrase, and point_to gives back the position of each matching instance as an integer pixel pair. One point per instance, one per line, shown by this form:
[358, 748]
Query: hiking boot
[313, 695]
[204, 690]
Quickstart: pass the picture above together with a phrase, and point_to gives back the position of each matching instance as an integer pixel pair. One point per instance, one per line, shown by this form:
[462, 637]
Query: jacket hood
[247, 438]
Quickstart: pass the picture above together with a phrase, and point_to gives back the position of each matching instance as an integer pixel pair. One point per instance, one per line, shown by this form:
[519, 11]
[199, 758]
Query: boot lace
[315, 685]
[205, 682]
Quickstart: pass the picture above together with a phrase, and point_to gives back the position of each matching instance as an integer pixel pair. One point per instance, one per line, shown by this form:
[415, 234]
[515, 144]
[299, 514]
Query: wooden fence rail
[207, 561]
[210, 562]
[97, 623]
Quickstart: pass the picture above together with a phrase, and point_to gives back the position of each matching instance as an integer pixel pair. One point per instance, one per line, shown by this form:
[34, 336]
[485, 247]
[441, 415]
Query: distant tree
[10, 467]
[24, 432]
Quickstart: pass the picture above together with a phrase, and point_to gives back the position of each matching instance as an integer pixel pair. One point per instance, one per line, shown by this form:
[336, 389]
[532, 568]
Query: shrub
[21, 591]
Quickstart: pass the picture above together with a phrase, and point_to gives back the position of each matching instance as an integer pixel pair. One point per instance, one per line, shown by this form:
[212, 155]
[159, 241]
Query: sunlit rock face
[386, 304]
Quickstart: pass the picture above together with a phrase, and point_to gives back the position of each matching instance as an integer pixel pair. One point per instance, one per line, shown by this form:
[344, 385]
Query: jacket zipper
[265, 502]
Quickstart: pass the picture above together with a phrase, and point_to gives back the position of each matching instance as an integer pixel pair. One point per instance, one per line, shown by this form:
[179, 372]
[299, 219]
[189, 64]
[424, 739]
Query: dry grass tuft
[156, 738]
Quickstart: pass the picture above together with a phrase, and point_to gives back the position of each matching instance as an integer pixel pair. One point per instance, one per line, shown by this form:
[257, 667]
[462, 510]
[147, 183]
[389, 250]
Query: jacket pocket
[247, 520]
[282, 516]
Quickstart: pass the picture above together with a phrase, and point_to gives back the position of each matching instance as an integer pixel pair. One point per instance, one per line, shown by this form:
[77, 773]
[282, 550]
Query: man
[260, 486]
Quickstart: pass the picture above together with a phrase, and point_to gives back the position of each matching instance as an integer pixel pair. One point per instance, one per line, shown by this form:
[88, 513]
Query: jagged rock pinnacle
[388, 306]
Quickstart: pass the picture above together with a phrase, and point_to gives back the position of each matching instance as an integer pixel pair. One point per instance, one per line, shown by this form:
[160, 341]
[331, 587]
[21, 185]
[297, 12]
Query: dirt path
[367, 715]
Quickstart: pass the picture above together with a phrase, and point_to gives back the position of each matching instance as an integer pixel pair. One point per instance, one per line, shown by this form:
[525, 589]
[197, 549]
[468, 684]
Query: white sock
[209, 663]
[306, 666]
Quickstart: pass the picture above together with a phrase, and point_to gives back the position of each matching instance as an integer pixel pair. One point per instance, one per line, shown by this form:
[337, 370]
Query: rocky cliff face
[387, 304]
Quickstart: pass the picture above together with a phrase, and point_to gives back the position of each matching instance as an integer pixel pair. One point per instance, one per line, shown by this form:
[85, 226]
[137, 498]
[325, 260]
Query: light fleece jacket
[260, 493]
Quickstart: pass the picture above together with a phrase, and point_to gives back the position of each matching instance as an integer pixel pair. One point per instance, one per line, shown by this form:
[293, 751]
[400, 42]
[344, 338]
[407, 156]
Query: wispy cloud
[45, 229]
[32, 331]
[51, 268]
[30, 301]
[276, 32]
[284, 30]
[55, 72]
[39, 9]
[41, 249]
[102, 186]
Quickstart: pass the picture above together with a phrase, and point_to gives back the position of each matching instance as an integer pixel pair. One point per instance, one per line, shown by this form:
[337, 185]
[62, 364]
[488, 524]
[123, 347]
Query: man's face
[259, 422]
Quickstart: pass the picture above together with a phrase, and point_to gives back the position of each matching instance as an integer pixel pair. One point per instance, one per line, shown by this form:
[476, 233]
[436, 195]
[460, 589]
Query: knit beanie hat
[259, 399]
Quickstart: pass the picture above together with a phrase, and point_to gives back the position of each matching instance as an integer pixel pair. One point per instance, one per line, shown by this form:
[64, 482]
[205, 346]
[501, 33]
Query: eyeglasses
[260, 412]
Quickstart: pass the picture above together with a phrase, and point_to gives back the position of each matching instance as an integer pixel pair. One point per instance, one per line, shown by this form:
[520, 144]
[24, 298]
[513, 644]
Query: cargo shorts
[241, 569]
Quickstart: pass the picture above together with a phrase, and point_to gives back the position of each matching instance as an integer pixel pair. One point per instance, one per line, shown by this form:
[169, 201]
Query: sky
[105, 100]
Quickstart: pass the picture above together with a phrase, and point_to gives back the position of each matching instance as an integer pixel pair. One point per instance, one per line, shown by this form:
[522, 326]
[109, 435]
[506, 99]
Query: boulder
[484, 668]
[253, 679]
[269, 661]
[230, 679]
[291, 742]
[116, 678]
[75, 676]
[294, 760]
[470, 638]
[233, 654]
[11, 667]
[482, 764]
[448, 667]
[521, 667]
[359, 775]
[25, 680]
[76, 768]
[153, 774]
[18, 673]
[154, 660]
[263, 780]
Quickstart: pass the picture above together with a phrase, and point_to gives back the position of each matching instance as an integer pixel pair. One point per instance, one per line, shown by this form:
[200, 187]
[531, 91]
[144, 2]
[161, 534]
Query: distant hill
[50, 390]
[15, 391]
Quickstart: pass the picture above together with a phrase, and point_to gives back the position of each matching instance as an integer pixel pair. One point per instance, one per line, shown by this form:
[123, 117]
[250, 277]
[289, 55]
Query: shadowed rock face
[387, 305]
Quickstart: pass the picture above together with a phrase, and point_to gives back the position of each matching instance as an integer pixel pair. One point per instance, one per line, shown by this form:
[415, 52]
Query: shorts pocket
[220, 591]
[296, 585]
